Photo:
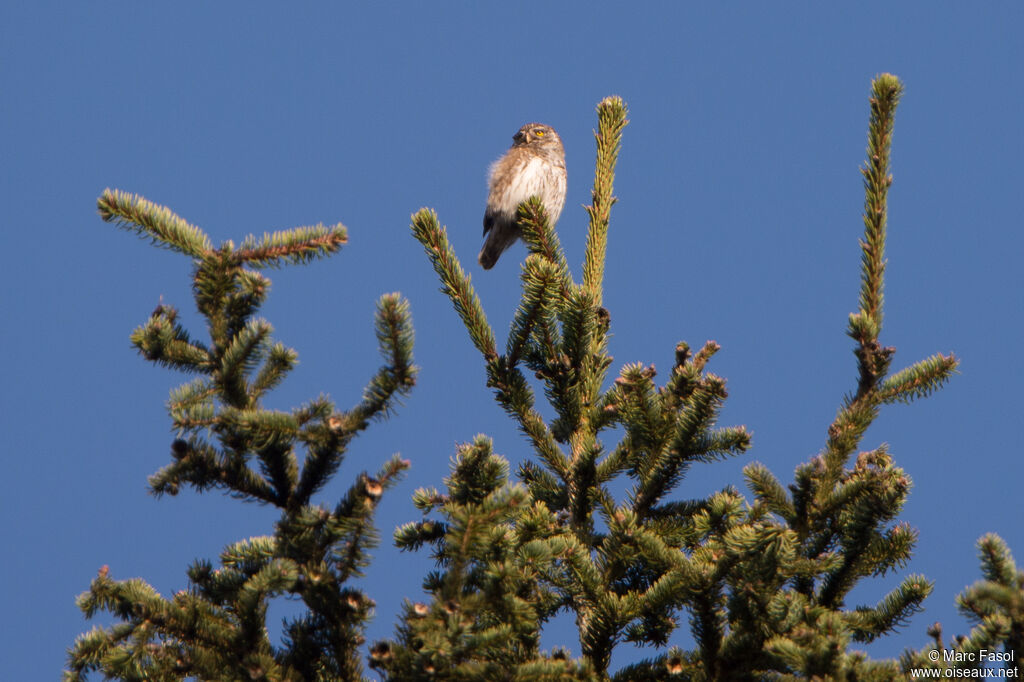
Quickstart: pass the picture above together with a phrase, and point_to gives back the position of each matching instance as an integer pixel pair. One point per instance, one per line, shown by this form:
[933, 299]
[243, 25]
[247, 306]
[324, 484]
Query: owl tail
[501, 235]
[489, 255]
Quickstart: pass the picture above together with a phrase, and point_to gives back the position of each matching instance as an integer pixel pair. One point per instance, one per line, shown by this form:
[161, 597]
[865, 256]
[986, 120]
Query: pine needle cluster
[487, 600]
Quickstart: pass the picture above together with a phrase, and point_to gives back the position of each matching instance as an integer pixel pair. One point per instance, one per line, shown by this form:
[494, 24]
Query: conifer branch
[873, 359]
[865, 325]
[544, 487]
[686, 374]
[393, 324]
[516, 398]
[240, 358]
[166, 342]
[614, 462]
[240, 555]
[196, 392]
[200, 465]
[537, 308]
[541, 239]
[327, 444]
[918, 380]
[768, 490]
[147, 219]
[997, 564]
[893, 611]
[584, 344]
[245, 294]
[270, 444]
[295, 246]
[455, 282]
[886, 93]
[279, 361]
[350, 529]
[611, 113]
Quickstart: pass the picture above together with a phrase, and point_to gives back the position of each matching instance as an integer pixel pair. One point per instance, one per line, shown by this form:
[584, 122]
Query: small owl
[533, 166]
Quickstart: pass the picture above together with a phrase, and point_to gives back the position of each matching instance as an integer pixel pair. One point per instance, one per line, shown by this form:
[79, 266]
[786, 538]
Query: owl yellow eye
[538, 132]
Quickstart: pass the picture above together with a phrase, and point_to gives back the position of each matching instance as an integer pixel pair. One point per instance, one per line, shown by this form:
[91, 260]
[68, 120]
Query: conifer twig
[145, 218]
[886, 93]
[455, 281]
[611, 112]
[295, 246]
[865, 325]
[541, 238]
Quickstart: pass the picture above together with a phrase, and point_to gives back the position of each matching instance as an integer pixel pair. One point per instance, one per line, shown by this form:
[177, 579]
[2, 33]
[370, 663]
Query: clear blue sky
[738, 221]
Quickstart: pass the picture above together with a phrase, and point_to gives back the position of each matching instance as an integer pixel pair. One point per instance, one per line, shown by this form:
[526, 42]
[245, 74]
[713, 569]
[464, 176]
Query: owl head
[538, 136]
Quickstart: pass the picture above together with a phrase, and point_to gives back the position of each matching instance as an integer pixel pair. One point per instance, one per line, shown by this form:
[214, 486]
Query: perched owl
[533, 166]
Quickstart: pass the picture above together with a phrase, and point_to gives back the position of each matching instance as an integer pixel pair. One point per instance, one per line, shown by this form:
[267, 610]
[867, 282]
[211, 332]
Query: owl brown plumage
[533, 166]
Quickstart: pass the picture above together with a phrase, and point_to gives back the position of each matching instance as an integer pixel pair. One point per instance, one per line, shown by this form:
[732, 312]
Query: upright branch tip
[886, 92]
[611, 115]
